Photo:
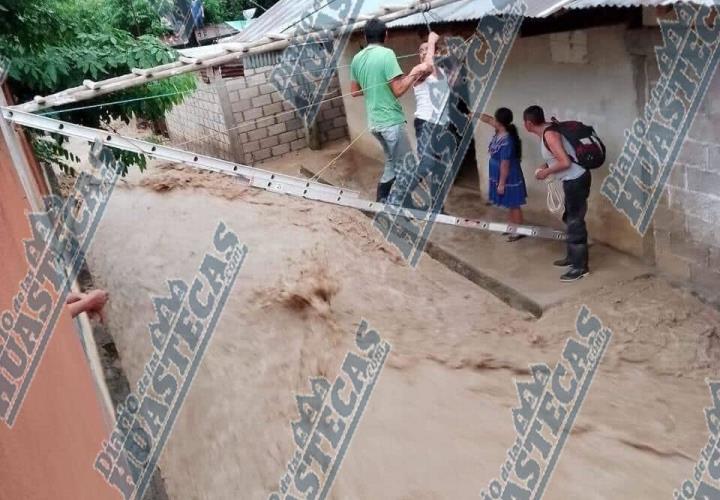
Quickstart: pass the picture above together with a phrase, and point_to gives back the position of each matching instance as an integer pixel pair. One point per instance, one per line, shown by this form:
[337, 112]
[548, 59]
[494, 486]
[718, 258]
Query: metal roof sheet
[586, 4]
[286, 13]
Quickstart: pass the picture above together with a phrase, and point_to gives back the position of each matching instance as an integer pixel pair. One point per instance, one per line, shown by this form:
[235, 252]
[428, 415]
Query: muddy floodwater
[439, 422]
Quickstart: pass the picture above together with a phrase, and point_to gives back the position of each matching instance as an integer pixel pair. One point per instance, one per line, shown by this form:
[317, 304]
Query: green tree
[56, 44]
[218, 11]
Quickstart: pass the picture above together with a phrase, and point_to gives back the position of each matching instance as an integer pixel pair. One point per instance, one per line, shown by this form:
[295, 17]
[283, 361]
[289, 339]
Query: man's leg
[576, 195]
[405, 166]
[388, 175]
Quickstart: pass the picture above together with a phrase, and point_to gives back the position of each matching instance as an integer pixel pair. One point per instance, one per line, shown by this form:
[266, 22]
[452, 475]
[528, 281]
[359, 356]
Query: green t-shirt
[373, 67]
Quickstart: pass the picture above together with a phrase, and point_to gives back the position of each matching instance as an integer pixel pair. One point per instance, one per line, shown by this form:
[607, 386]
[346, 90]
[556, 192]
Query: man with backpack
[569, 149]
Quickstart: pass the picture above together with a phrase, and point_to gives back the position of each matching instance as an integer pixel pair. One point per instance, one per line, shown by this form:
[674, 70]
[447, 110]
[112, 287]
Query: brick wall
[200, 119]
[267, 126]
[245, 119]
[687, 220]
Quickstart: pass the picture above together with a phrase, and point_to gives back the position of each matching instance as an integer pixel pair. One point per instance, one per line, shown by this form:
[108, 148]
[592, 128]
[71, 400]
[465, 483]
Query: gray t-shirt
[573, 172]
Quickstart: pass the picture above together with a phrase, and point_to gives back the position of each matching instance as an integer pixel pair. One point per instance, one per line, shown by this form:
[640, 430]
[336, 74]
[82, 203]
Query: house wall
[50, 450]
[686, 222]
[200, 119]
[599, 89]
[245, 119]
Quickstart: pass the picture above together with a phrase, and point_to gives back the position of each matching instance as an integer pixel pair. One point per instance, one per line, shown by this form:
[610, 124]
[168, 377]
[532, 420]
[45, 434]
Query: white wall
[600, 91]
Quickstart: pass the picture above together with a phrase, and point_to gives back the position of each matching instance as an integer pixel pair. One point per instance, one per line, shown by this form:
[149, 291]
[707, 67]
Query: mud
[439, 423]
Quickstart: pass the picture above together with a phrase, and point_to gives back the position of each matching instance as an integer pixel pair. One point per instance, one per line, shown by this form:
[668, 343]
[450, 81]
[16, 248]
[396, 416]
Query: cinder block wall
[200, 119]
[268, 126]
[245, 119]
[687, 220]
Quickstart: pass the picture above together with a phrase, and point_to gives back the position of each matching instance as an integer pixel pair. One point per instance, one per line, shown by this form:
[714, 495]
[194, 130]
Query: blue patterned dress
[502, 148]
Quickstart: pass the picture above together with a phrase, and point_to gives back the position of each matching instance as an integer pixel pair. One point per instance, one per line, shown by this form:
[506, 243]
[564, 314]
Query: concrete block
[299, 144]
[331, 113]
[340, 121]
[258, 134]
[288, 137]
[244, 127]
[248, 93]
[294, 124]
[261, 101]
[693, 153]
[240, 106]
[269, 142]
[252, 114]
[336, 133]
[276, 129]
[243, 138]
[325, 125]
[272, 109]
[701, 231]
[277, 97]
[705, 128]
[256, 79]
[703, 181]
[677, 176]
[263, 154]
[700, 205]
[281, 149]
[251, 147]
[287, 106]
[267, 88]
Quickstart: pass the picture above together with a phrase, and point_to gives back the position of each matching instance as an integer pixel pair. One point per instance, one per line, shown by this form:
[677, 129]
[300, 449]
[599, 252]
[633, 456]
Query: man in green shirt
[376, 74]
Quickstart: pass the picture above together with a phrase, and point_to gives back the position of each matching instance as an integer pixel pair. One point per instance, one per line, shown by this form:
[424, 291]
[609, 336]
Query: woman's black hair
[504, 117]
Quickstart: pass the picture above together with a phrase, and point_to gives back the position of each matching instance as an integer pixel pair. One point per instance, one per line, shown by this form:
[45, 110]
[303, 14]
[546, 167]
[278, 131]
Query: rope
[555, 196]
[332, 162]
[113, 103]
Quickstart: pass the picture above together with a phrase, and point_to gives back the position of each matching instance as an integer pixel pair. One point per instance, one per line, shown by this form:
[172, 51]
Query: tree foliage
[218, 11]
[56, 44]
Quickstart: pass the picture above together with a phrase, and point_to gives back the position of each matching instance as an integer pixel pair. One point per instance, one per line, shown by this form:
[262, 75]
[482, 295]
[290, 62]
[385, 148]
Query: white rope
[332, 162]
[555, 196]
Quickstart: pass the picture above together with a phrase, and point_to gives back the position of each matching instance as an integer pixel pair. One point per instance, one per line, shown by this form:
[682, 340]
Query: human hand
[95, 301]
[421, 69]
[433, 37]
[501, 189]
[542, 173]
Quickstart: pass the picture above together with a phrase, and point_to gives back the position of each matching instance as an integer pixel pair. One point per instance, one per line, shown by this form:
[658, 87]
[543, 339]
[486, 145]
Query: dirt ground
[439, 422]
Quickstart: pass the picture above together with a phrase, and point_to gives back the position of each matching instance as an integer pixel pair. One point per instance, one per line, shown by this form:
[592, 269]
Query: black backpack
[588, 148]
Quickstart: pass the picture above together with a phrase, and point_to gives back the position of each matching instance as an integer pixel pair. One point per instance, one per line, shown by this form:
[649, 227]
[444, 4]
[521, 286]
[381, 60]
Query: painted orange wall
[50, 451]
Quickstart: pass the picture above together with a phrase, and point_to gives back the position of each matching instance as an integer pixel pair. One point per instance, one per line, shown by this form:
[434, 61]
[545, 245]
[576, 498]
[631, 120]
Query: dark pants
[577, 192]
[430, 168]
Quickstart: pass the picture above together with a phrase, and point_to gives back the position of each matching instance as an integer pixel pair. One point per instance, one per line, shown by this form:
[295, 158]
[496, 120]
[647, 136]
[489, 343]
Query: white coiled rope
[555, 196]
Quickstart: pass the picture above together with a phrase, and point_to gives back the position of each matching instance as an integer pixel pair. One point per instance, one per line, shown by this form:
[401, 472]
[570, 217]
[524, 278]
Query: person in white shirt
[432, 93]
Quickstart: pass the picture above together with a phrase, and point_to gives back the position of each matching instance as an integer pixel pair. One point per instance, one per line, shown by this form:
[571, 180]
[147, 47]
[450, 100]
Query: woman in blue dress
[507, 183]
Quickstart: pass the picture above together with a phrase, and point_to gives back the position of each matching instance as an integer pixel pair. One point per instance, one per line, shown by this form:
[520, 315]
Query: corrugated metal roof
[287, 13]
[468, 10]
[586, 4]
[276, 19]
